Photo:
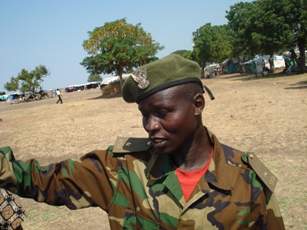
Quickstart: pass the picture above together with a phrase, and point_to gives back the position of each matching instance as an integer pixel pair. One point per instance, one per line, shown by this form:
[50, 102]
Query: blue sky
[51, 33]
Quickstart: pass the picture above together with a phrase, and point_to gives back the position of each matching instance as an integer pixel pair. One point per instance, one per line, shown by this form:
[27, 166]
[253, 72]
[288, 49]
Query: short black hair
[189, 90]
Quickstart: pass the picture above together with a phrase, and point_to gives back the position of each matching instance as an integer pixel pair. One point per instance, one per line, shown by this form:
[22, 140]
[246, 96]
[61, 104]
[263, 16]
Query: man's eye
[162, 113]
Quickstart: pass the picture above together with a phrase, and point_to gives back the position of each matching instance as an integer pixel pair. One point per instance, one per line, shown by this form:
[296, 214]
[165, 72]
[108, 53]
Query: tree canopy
[268, 27]
[184, 53]
[295, 13]
[27, 81]
[211, 44]
[254, 28]
[117, 47]
[94, 78]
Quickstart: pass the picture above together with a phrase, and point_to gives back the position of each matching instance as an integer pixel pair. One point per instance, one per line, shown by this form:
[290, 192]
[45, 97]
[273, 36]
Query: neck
[197, 154]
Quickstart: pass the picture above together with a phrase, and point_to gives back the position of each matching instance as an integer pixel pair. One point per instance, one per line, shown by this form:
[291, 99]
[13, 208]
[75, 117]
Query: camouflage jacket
[139, 189]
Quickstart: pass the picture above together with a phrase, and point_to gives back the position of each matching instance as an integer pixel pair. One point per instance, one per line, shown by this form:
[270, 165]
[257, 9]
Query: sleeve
[266, 212]
[274, 217]
[90, 181]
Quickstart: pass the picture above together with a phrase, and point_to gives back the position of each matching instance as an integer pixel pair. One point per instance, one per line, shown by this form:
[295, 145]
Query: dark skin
[172, 118]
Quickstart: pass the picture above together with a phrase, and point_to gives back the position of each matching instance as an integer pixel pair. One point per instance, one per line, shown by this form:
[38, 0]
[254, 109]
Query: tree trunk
[271, 61]
[255, 64]
[121, 81]
[301, 60]
[202, 75]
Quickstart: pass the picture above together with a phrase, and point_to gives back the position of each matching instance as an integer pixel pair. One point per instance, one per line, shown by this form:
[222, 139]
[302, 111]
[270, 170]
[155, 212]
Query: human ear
[199, 103]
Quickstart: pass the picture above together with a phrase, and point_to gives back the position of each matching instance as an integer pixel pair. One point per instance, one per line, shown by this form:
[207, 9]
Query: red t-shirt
[189, 179]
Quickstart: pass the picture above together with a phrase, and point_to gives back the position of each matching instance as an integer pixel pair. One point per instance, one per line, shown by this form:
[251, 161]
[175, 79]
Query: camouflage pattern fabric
[139, 189]
[11, 213]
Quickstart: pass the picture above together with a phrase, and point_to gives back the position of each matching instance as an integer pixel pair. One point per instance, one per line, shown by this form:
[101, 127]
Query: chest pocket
[133, 220]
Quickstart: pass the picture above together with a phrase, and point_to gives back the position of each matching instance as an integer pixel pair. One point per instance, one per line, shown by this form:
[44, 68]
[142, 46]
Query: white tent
[277, 60]
[110, 80]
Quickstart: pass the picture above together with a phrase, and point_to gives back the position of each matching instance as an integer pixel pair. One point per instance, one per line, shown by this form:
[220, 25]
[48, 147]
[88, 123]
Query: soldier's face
[169, 120]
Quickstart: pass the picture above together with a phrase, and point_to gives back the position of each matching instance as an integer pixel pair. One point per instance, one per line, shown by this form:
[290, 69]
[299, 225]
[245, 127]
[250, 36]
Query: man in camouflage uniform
[180, 177]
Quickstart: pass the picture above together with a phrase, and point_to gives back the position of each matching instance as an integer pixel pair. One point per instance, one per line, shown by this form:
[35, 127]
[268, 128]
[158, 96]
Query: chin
[165, 151]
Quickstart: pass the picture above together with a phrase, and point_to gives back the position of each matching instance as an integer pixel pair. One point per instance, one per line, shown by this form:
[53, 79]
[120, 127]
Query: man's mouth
[158, 142]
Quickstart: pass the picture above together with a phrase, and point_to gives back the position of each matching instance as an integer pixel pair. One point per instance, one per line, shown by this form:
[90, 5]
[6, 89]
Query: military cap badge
[140, 77]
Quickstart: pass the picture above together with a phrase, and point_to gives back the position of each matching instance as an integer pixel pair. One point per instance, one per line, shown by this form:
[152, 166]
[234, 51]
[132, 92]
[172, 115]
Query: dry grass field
[266, 115]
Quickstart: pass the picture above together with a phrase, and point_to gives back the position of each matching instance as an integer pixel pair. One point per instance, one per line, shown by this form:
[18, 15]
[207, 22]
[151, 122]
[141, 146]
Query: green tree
[268, 26]
[295, 14]
[94, 78]
[12, 85]
[118, 47]
[254, 28]
[184, 53]
[241, 27]
[237, 31]
[211, 44]
[27, 81]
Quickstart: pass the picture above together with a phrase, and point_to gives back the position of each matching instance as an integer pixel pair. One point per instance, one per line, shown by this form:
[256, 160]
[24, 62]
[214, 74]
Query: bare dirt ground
[265, 115]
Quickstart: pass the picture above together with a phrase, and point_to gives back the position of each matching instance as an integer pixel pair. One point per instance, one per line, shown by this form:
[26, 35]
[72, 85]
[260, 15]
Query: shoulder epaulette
[131, 144]
[267, 177]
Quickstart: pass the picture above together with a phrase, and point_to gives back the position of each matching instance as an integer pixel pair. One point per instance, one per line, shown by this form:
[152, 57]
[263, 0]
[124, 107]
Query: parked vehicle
[3, 97]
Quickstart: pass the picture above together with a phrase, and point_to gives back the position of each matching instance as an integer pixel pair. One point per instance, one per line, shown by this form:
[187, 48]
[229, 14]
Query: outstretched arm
[76, 184]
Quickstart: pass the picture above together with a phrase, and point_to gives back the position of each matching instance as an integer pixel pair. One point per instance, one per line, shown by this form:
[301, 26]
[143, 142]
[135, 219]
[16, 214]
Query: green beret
[167, 72]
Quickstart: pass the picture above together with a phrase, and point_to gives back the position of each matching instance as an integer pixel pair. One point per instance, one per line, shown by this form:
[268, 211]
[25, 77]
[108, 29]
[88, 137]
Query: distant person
[179, 177]
[288, 65]
[293, 57]
[58, 92]
[263, 64]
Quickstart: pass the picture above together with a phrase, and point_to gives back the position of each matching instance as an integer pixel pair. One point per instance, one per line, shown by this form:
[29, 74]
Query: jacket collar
[218, 174]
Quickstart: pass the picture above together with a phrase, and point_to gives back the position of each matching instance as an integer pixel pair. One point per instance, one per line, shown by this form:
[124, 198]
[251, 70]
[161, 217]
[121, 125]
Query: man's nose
[152, 124]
